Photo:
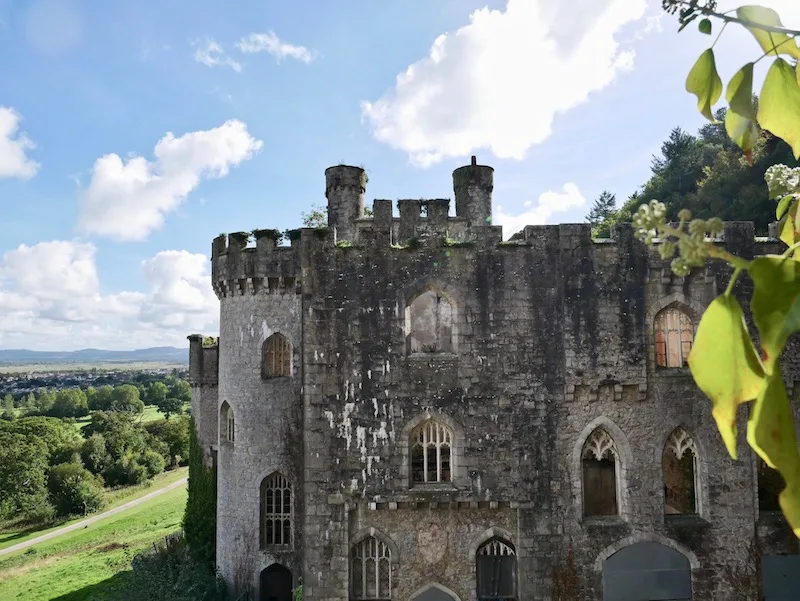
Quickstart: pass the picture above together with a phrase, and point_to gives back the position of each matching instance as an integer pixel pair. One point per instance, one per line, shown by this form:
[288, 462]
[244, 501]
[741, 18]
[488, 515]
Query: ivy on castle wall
[200, 516]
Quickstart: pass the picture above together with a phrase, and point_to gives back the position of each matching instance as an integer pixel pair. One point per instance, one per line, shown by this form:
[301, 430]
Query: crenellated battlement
[203, 360]
[257, 263]
[237, 268]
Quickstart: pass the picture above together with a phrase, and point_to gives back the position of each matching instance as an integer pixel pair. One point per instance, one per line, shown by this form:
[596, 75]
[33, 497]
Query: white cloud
[269, 42]
[128, 199]
[51, 298]
[498, 82]
[211, 54]
[549, 204]
[13, 160]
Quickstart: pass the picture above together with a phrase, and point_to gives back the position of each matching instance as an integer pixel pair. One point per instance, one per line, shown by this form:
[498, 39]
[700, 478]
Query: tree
[316, 217]
[181, 390]
[23, 464]
[723, 361]
[126, 398]
[69, 402]
[8, 403]
[157, 393]
[171, 438]
[601, 214]
[100, 399]
[171, 405]
[74, 490]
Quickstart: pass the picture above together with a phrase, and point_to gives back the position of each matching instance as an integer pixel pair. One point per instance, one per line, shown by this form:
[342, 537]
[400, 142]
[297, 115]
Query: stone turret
[472, 185]
[344, 189]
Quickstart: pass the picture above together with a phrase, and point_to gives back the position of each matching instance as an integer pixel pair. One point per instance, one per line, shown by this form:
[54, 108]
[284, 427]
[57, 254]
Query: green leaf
[788, 234]
[740, 92]
[775, 304]
[703, 81]
[779, 104]
[783, 206]
[771, 433]
[705, 26]
[725, 365]
[743, 131]
[771, 43]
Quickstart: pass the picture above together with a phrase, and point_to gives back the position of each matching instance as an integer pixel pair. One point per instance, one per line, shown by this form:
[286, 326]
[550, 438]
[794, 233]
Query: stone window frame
[624, 462]
[227, 424]
[394, 555]
[457, 464]
[263, 544]
[646, 537]
[433, 584]
[448, 292]
[493, 533]
[690, 307]
[700, 470]
[287, 354]
[436, 435]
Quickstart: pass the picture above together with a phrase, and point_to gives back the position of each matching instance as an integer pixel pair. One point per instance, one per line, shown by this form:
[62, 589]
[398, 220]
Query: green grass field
[113, 497]
[70, 566]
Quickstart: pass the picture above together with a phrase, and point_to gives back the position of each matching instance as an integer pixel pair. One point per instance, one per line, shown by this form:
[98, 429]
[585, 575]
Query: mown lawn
[113, 498]
[78, 560]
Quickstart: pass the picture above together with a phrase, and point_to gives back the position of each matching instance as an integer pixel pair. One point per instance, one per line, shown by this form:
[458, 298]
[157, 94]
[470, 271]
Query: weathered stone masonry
[518, 351]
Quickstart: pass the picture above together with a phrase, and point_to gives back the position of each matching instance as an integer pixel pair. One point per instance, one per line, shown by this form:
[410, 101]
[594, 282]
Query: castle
[411, 409]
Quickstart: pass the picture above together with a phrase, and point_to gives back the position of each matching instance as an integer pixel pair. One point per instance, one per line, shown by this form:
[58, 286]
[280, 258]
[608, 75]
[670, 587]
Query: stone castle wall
[552, 336]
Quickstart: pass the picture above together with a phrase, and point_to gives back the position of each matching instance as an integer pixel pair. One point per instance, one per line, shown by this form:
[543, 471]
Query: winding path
[91, 520]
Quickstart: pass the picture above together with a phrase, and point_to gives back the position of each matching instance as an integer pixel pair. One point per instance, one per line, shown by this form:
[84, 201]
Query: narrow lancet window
[680, 474]
[227, 423]
[674, 333]
[276, 357]
[599, 460]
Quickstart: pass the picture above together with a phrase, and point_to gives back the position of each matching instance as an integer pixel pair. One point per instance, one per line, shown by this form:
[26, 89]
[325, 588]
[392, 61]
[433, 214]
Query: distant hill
[159, 354]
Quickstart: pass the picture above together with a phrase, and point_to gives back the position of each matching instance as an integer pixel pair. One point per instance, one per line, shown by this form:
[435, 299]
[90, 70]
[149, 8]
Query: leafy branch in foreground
[723, 361]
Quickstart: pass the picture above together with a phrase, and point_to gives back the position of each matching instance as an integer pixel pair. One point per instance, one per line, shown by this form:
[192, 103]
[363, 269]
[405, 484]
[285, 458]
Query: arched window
[770, 485]
[227, 425]
[370, 570]
[599, 460]
[429, 324]
[276, 357]
[680, 474]
[674, 333]
[496, 564]
[276, 510]
[431, 453]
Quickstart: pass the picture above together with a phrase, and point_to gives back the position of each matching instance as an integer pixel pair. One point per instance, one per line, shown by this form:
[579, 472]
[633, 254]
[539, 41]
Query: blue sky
[133, 133]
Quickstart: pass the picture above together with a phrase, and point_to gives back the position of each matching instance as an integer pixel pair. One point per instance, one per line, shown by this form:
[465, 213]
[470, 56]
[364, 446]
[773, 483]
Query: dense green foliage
[707, 174]
[23, 468]
[74, 489]
[200, 519]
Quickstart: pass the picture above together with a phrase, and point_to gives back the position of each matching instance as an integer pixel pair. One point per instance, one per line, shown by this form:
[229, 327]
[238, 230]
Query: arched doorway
[434, 592]
[647, 571]
[276, 584]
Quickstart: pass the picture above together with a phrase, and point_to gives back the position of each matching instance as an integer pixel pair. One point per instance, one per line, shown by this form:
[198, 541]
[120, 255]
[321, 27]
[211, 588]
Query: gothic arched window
[429, 324]
[276, 510]
[599, 459]
[674, 333]
[496, 565]
[431, 453]
[680, 474]
[276, 360]
[227, 423]
[370, 570]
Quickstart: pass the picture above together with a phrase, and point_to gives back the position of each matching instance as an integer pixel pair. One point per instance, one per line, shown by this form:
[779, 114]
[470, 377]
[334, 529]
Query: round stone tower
[344, 189]
[472, 185]
[260, 448]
